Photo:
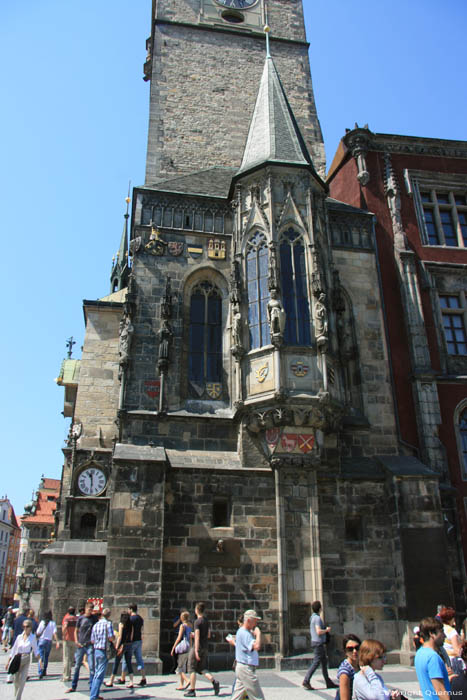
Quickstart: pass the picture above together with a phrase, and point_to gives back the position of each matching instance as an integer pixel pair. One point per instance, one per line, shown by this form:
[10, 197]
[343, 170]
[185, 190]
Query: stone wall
[98, 389]
[359, 277]
[135, 536]
[247, 573]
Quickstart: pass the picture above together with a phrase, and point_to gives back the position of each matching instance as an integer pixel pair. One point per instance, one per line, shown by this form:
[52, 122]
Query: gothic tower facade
[233, 436]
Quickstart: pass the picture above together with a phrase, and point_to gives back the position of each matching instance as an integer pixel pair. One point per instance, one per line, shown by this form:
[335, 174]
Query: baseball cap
[251, 614]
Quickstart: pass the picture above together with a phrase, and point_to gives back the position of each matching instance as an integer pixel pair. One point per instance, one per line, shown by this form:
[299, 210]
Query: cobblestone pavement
[283, 685]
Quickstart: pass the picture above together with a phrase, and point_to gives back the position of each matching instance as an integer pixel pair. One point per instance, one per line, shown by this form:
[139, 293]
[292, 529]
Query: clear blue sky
[73, 132]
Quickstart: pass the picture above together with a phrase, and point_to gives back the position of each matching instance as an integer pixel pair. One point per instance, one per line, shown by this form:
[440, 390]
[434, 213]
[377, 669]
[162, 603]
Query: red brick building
[417, 190]
[37, 526]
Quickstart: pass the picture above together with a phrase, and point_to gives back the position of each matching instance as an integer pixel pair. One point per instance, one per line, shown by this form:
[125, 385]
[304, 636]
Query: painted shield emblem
[175, 248]
[272, 437]
[299, 368]
[214, 390]
[262, 372]
[306, 442]
[152, 387]
[289, 441]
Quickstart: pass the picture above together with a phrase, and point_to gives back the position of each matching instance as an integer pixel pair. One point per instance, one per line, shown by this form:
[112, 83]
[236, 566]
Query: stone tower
[233, 435]
[205, 59]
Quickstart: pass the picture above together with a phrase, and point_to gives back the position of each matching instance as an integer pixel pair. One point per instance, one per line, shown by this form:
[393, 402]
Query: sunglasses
[355, 648]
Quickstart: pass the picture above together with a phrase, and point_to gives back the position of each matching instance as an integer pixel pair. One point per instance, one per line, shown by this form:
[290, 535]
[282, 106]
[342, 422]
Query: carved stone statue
[276, 315]
[237, 328]
[321, 319]
[126, 334]
[164, 335]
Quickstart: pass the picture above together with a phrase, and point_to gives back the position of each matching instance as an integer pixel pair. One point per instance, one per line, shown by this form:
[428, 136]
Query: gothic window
[205, 342]
[453, 313]
[258, 294]
[294, 289]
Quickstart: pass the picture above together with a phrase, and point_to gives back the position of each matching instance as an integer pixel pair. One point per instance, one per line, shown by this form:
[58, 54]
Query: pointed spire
[119, 273]
[274, 135]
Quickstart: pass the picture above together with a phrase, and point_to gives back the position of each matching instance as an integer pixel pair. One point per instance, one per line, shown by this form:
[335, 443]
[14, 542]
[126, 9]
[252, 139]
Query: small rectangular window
[353, 528]
[221, 513]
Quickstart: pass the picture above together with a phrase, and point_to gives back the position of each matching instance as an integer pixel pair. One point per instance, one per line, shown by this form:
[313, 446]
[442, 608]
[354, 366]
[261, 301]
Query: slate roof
[274, 135]
[210, 182]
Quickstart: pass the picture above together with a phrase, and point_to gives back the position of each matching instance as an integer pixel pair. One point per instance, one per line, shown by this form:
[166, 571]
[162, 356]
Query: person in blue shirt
[247, 644]
[431, 671]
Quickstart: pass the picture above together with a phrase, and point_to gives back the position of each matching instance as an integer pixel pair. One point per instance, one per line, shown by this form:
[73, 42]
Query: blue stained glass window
[257, 261]
[294, 289]
[205, 338]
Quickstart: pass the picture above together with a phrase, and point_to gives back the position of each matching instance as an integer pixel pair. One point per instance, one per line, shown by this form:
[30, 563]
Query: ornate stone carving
[166, 302]
[392, 191]
[273, 272]
[357, 142]
[237, 348]
[235, 283]
[321, 321]
[317, 275]
[276, 318]
[165, 335]
[126, 335]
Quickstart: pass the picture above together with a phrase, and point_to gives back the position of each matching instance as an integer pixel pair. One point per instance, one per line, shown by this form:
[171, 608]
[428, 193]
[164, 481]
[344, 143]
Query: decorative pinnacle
[128, 198]
[267, 29]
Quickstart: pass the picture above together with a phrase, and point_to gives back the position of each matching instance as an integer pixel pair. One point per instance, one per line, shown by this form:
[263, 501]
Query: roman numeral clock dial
[237, 4]
[92, 481]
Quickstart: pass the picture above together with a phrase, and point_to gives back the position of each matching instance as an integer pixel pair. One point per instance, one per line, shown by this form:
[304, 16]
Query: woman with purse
[181, 647]
[20, 656]
[123, 647]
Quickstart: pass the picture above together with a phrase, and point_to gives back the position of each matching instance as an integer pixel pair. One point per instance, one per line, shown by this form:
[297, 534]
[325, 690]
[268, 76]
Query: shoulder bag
[14, 664]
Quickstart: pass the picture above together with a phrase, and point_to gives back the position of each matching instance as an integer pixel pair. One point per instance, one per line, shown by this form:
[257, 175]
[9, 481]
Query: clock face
[92, 481]
[237, 4]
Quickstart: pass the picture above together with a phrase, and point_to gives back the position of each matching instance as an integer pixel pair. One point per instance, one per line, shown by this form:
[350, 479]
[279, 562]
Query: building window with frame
[294, 286]
[205, 340]
[445, 217]
[257, 259]
[452, 312]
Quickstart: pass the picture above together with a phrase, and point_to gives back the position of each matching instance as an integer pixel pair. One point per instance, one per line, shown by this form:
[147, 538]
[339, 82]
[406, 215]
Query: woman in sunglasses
[368, 684]
[24, 644]
[349, 667]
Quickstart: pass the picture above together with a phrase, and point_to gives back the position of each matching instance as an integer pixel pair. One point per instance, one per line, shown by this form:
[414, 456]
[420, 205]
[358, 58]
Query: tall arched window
[258, 293]
[294, 289]
[205, 343]
[463, 438]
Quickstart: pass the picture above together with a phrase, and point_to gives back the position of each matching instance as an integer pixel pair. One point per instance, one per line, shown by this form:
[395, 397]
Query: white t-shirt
[46, 630]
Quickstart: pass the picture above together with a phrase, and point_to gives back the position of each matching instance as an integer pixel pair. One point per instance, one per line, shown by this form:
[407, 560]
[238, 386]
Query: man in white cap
[247, 644]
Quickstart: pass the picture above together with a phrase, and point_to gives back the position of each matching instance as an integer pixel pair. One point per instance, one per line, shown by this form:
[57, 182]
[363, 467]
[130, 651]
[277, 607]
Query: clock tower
[205, 59]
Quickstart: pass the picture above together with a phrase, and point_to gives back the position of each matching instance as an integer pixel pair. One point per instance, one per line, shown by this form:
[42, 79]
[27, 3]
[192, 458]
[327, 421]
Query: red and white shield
[289, 441]
[306, 442]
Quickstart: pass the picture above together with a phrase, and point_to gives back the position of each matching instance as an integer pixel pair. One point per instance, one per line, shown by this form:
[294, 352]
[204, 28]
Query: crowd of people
[89, 638]
[440, 660]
